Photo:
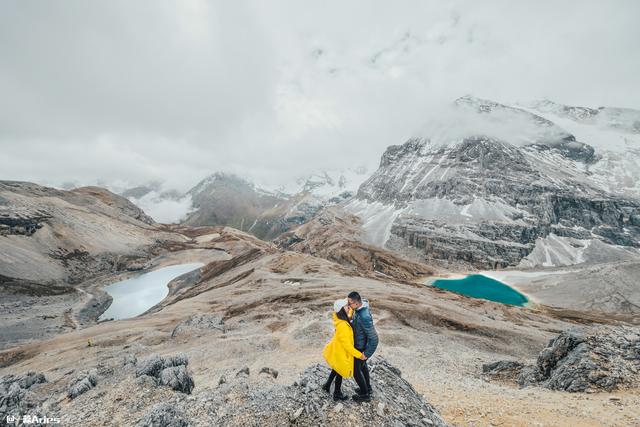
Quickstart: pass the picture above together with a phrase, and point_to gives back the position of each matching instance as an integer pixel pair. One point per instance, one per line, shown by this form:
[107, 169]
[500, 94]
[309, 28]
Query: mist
[120, 94]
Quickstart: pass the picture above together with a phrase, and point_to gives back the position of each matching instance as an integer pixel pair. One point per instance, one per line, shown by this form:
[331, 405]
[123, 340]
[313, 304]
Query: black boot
[340, 396]
[359, 398]
[369, 391]
[327, 386]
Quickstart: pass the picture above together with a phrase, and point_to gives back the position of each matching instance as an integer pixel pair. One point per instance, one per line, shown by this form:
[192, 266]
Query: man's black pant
[361, 375]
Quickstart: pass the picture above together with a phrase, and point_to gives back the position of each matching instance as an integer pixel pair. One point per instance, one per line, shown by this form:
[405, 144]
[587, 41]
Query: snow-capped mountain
[327, 183]
[494, 185]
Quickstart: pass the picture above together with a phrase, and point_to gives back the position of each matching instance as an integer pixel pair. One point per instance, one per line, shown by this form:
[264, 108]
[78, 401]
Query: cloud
[162, 209]
[125, 93]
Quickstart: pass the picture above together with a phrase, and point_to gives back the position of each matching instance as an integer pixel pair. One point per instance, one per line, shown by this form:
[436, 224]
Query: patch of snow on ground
[555, 251]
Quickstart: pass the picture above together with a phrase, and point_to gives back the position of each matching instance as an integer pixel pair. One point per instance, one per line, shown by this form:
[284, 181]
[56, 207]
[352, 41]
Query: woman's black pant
[361, 375]
[338, 379]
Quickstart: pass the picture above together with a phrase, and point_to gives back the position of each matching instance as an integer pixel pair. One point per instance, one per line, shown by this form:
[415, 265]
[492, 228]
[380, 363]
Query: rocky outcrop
[168, 371]
[580, 359]
[16, 396]
[395, 402]
[21, 221]
[83, 384]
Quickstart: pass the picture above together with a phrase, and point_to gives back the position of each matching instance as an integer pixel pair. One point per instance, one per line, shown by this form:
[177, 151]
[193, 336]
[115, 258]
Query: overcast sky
[125, 92]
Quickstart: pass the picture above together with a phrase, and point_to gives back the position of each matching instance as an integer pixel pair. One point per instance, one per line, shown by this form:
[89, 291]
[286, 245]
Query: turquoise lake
[479, 286]
[138, 294]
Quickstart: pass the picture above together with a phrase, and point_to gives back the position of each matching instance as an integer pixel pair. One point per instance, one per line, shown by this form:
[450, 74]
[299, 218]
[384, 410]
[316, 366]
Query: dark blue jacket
[365, 337]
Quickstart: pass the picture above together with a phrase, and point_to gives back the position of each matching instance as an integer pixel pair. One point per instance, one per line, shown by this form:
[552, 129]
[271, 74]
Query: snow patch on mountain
[377, 219]
[326, 183]
[555, 251]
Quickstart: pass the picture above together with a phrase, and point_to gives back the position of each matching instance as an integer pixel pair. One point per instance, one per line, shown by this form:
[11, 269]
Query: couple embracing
[354, 342]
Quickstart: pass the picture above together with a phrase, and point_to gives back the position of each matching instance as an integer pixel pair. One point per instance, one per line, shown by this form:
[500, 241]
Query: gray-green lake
[479, 286]
[138, 294]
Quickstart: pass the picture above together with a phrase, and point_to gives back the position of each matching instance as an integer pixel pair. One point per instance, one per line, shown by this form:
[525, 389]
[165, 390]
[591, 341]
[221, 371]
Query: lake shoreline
[481, 286]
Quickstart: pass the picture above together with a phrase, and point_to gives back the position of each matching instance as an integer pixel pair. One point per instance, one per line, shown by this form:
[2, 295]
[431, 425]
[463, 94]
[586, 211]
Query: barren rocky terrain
[273, 309]
[239, 341]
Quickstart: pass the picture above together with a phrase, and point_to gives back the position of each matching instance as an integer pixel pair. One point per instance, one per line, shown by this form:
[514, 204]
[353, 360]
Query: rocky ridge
[580, 360]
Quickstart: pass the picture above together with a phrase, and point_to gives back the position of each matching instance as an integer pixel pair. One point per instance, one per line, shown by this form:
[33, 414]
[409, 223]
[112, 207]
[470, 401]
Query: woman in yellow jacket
[339, 353]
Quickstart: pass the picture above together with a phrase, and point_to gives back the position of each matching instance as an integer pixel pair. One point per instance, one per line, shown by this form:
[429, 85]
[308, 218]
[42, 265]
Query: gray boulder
[178, 378]
[16, 397]
[153, 365]
[169, 371]
[83, 384]
[581, 359]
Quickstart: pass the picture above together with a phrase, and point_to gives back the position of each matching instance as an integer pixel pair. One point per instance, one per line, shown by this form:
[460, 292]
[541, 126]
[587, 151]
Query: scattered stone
[243, 371]
[164, 415]
[380, 409]
[500, 366]
[83, 384]
[269, 371]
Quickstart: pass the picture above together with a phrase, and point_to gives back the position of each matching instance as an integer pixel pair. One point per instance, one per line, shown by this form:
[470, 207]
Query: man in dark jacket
[365, 339]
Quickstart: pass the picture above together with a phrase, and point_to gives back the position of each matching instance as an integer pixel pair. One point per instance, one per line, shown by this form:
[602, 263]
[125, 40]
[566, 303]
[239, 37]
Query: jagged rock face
[487, 202]
[581, 359]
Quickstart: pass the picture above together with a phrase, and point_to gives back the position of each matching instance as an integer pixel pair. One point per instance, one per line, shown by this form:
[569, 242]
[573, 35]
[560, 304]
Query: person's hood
[336, 319]
[365, 304]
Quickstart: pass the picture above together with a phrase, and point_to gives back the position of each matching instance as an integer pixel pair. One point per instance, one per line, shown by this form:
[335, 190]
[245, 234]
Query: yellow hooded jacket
[339, 353]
